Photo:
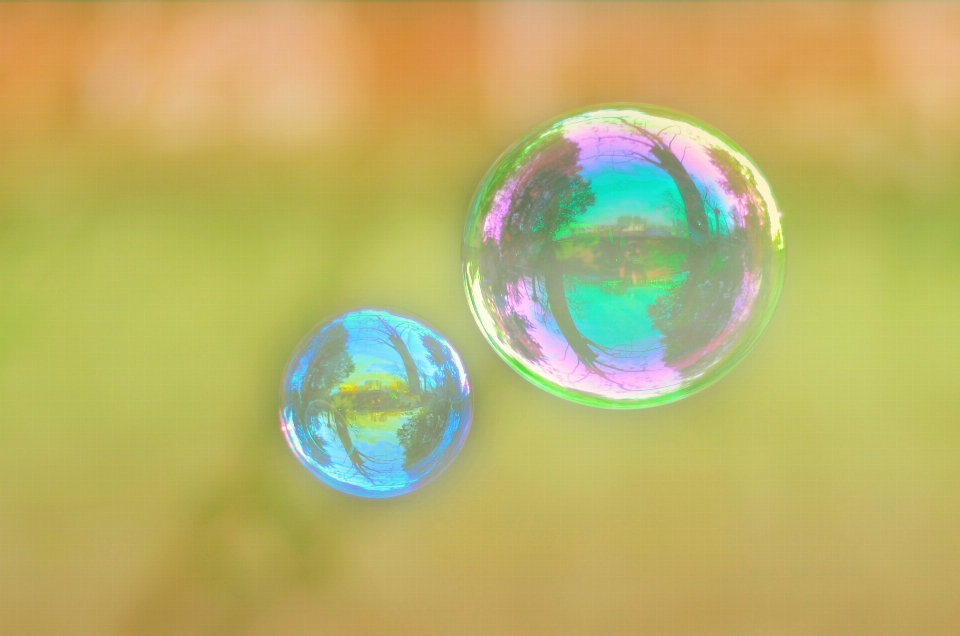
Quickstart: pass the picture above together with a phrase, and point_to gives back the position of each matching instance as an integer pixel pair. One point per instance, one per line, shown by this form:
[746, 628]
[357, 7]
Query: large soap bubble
[623, 256]
[375, 404]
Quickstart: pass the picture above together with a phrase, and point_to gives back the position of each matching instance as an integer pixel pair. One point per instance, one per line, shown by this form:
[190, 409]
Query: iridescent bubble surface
[375, 404]
[623, 256]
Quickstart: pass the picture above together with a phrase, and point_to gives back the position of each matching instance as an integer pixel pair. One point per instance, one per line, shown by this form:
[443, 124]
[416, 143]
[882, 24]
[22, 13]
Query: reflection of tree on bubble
[435, 396]
[547, 200]
[695, 313]
[336, 419]
[667, 160]
[691, 314]
[329, 366]
[395, 340]
[423, 431]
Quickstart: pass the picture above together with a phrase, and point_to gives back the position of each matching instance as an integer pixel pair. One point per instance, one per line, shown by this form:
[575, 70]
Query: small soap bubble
[375, 404]
[623, 256]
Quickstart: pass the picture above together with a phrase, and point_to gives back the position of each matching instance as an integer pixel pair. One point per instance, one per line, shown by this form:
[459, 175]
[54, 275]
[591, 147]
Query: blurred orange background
[185, 189]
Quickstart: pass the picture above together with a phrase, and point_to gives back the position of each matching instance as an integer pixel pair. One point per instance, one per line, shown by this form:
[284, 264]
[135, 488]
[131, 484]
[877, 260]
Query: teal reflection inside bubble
[375, 404]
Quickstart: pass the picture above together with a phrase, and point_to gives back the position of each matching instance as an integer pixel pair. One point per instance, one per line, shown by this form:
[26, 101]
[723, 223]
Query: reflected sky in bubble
[375, 404]
[623, 257]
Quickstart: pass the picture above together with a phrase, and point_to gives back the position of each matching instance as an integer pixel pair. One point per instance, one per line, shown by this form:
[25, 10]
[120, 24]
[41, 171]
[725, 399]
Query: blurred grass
[150, 296]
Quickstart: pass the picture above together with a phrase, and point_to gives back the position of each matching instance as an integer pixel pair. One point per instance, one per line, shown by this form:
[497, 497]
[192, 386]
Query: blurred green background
[186, 189]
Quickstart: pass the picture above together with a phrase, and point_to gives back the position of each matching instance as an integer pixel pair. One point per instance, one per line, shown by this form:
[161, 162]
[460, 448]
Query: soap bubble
[623, 256]
[375, 404]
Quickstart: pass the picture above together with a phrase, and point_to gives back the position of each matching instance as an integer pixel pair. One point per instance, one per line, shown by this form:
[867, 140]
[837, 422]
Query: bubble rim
[514, 151]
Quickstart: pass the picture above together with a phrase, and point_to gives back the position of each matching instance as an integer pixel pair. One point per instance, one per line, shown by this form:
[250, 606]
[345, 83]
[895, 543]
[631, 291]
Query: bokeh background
[186, 189]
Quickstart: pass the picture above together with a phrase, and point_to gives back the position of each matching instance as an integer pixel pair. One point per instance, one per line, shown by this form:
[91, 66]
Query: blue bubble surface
[375, 404]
